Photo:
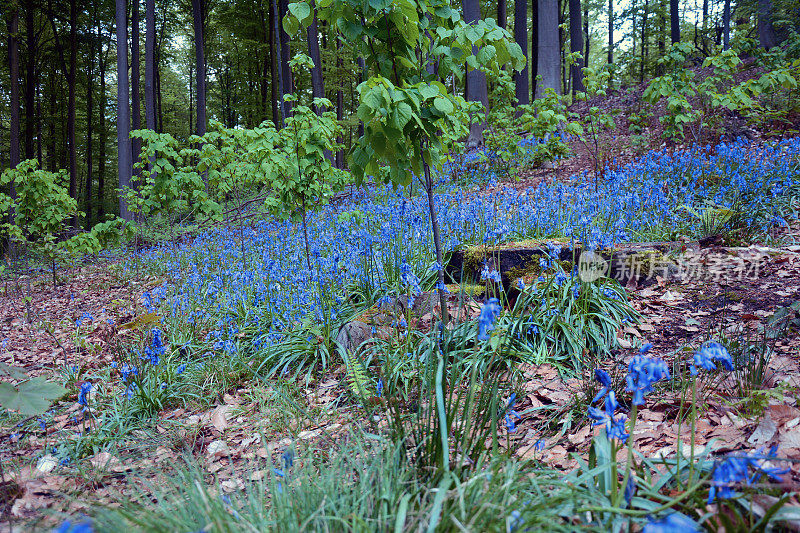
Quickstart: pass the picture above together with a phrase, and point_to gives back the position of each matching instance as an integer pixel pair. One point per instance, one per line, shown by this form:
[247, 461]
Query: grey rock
[353, 334]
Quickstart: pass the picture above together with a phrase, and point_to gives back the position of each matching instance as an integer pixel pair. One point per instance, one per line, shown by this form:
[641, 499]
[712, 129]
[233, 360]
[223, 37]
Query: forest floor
[738, 292]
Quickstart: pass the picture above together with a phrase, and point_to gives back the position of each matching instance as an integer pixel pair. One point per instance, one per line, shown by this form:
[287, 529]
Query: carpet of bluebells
[229, 279]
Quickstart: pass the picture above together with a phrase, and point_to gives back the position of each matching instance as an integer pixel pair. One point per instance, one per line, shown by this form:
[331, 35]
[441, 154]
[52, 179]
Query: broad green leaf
[31, 397]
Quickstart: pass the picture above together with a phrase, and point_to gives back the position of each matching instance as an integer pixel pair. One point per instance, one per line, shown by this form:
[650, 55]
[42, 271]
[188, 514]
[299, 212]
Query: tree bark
[13, 68]
[198, 7]
[136, 102]
[317, 83]
[766, 31]
[521, 87]
[644, 40]
[674, 21]
[287, 87]
[610, 32]
[150, 65]
[502, 13]
[101, 158]
[32, 45]
[726, 25]
[476, 80]
[124, 168]
[89, 124]
[549, 53]
[277, 119]
[576, 44]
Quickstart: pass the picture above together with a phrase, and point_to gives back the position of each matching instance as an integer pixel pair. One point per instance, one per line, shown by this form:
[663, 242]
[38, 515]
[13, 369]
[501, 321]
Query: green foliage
[699, 104]
[410, 118]
[30, 397]
[41, 209]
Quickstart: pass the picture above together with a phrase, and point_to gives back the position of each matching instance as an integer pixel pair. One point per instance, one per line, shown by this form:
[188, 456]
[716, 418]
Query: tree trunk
[586, 37]
[521, 87]
[89, 123]
[124, 168]
[150, 64]
[30, 78]
[644, 40]
[69, 72]
[576, 44]
[339, 100]
[136, 102]
[476, 80]
[502, 13]
[610, 32]
[198, 7]
[674, 21]
[549, 53]
[277, 119]
[13, 68]
[101, 159]
[705, 27]
[286, 72]
[317, 83]
[766, 31]
[191, 101]
[726, 24]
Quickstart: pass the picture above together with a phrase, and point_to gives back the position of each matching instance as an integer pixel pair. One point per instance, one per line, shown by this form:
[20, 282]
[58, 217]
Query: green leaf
[443, 104]
[32, 397]
[13, 372]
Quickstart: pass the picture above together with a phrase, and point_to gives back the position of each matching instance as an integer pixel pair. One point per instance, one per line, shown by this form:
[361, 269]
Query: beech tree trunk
[287, 86]
[476, 80]
[576, 44]
[549, 49]
[89, 124]
[198, 15]
[124, 168]
[766, 31]
[674, 21]
[610, 32]
[30, 78]
[502, 13]
[136, 106]
[101, 158]
[13, 68]
[150, 64]
[317, 83]
[521, 86]
[726, 24]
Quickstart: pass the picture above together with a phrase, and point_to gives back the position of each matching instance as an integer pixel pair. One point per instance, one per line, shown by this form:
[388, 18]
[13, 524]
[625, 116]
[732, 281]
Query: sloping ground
[227, 437]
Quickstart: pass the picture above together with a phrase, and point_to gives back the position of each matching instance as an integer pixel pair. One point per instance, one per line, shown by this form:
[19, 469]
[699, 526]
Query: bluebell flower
[711, 353]
[643, 372]
[630, 489]
[489, 313]
[83, 393]
[646, 347]
[511, 414]
[672, 523]
[604, 379]
[615, 427]
[156, 348]
[380, 388]
[539, 445]
[409, 278]
[181, 368]
[83, 525]
[736, 470]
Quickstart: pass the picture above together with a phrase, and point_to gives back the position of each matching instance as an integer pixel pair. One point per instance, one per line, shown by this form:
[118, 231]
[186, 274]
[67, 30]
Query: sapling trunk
[305, 237]
[437, 242]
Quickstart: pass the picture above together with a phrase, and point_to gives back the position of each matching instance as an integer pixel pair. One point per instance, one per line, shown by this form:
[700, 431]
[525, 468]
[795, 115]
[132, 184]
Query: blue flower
[642, 373]
[539, 446]
[380, 388]
[630, 489]
[615, 427]
[511, 413]
[83, 393]
[646, 347]
[712, 352]
[672, 523]
[180, 369]
[735, 470]
[489, 313]
[82, 526]
[155, 349]
[604, 379]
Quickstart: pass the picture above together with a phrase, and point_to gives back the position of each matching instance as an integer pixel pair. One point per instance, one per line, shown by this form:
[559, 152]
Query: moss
[470, 289]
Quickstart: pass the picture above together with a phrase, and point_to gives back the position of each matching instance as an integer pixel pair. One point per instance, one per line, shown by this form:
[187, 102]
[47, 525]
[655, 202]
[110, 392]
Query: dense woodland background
[187, 63]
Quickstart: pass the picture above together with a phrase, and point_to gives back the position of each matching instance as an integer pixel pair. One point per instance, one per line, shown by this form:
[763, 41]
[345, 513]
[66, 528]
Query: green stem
[627, 475]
